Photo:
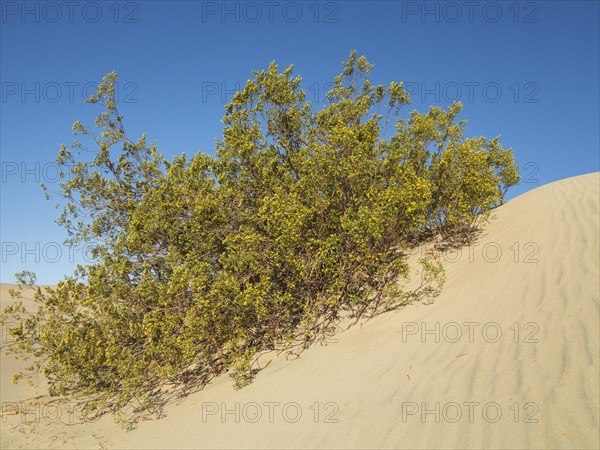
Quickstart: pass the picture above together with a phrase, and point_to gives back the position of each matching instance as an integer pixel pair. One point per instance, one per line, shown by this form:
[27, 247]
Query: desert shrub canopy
[303, 216]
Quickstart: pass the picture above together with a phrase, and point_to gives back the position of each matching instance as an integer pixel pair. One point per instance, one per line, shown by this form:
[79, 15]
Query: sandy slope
[534, 386]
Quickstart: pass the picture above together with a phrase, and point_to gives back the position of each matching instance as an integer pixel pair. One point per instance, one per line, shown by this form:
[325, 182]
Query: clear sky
[528, 71]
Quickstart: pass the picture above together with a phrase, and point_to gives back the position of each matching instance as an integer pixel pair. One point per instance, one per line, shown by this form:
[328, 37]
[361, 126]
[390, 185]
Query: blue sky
[528, 71]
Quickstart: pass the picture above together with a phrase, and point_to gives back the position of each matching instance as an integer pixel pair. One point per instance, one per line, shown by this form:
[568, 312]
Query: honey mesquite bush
[303, 216]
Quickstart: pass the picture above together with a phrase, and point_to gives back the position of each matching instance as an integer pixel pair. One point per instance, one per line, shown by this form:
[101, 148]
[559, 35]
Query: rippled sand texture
[506, 357]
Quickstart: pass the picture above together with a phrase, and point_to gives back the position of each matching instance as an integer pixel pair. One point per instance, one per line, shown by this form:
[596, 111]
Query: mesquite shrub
[302, 217]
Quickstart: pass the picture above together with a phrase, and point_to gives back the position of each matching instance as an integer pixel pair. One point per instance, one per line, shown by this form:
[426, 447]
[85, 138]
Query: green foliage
[303, 217]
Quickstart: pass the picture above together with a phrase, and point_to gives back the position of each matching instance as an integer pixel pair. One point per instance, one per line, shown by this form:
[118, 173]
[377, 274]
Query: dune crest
[506, 357]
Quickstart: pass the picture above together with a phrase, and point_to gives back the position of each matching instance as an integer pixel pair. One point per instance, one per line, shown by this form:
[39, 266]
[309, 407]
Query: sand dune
[506, 357]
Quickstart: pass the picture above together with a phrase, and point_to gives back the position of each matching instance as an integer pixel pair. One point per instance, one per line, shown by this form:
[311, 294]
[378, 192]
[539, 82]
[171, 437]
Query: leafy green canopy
[304, 216]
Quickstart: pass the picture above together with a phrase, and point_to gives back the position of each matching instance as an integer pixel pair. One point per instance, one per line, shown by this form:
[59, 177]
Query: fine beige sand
[506, 357]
